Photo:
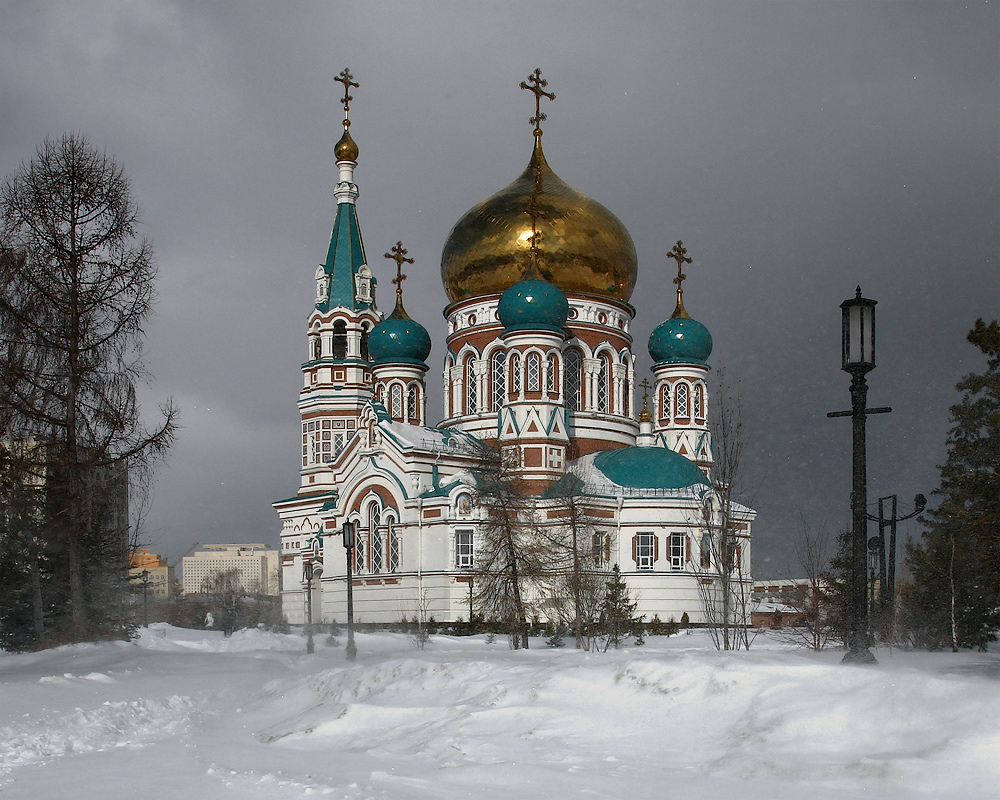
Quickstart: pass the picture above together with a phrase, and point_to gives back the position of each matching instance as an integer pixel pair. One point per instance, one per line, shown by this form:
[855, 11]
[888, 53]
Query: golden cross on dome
[398, 254]
[347, 79]
[679, 254]
[644, 415]
[534, 85]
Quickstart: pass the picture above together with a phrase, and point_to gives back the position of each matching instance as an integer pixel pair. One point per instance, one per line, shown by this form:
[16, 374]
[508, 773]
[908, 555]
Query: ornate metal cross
[534, 85]
[398, 254]
[347, 79]
[679, 254]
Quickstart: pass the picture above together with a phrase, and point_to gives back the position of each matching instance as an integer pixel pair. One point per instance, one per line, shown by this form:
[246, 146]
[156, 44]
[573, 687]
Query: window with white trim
[412, 403]
[463, 549]
[515, 374]
[393, 538]
[699, 402]
[681, 400]
[572, 366]
[533, 372]
[603, 378]
[375, 538]
[396, 401]
[550, 373]
[677, 548]
[471, 388]
[498, 370]
[339, 339]
[645, 550]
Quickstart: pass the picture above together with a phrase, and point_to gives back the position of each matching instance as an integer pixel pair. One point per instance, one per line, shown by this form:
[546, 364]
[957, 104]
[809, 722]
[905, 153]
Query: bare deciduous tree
[725, 587]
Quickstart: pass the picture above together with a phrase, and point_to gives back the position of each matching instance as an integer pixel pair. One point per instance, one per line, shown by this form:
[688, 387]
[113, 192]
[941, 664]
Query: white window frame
[678, 547]
[464, 548]
[645, 550]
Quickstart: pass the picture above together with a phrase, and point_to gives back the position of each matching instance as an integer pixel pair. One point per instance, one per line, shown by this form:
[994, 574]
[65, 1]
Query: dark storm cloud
[798, 149]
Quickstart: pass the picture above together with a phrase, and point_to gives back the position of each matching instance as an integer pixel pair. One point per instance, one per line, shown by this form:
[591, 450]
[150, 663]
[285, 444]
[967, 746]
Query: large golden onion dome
[581, 246]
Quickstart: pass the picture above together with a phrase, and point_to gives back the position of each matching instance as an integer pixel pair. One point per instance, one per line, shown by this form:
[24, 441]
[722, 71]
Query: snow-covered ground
[190, 714]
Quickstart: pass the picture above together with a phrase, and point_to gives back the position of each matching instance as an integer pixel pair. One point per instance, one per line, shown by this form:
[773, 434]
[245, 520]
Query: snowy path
[191, 714]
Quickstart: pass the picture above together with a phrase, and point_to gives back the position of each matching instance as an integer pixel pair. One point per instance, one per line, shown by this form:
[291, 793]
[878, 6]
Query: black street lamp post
[352, 651]
[308, 568]
[858, 360]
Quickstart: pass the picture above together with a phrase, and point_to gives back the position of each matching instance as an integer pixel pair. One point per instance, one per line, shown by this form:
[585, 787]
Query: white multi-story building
[256, 564]
[537, 360]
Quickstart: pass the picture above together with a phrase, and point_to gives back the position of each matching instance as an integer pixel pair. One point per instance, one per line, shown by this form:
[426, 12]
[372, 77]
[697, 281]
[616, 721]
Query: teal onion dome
[399, 339]
[533, 305]
[680, 340]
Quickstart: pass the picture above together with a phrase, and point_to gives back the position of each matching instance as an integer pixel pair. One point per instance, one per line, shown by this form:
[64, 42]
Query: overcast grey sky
[797, 148]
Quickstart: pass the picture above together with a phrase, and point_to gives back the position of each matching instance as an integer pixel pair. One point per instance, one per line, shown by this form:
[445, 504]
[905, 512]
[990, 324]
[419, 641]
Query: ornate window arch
[376, 550]
[498, 378]
[533, 372]
[551, 372]
[515, 374]
[572, 378]
[604, 384]
[471, 386]
[396, 401]
[339, 339]
[699, 402]
[413, 403]
[665, 402]
[681, 396]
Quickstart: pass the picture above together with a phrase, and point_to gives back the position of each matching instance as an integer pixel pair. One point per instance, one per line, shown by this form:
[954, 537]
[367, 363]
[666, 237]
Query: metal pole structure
[859, 652]
[887, 604]
[145, 602]
[858, 317]
[352, 651]
[471, 586]
[310, 647]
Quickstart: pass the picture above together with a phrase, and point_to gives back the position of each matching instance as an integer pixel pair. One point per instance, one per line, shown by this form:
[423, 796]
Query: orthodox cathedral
[538, 362]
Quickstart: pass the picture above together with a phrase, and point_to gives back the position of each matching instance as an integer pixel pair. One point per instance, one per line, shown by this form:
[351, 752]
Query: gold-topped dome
[580, 246]
[346, 149]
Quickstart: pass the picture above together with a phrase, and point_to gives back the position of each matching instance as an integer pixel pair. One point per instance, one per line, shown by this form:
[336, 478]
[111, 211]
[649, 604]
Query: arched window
[551, 376]
[396, 401]
[603, 380]
[626, 395]
[471, 389]
[364, 343]
[665, 402]
[317, 348]
[360, 551]
[498, 377]
[681, 401]
[699, 402]
[515, 374]
[393, 538]
[380, 393]
[375, 537]
[340, 339]
[573, 364]
[533, 372]
[413, 403]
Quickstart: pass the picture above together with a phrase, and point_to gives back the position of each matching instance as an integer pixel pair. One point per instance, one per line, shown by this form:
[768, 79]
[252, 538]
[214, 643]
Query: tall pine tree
[954, 598]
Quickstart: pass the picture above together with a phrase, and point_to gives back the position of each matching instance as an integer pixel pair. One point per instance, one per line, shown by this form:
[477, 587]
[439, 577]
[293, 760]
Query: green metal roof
[344, 258]
[649, 468]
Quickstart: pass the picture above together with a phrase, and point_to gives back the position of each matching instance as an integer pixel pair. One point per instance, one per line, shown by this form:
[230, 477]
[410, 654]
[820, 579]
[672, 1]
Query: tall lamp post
[308, 569]
[858, 322]
[352, 651]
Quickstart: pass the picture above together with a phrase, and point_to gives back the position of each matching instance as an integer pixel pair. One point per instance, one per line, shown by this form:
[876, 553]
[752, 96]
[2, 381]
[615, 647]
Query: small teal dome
[533, 305]
[649, 468]
[399, 339]
[680, 340]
